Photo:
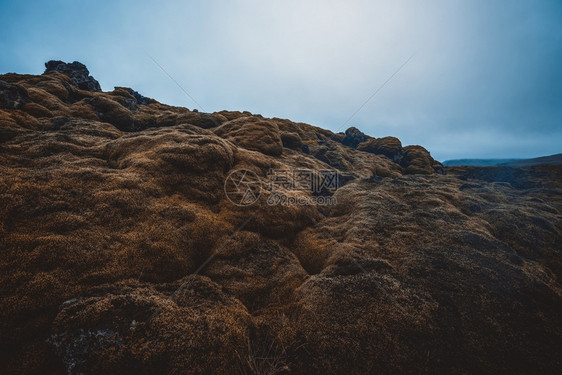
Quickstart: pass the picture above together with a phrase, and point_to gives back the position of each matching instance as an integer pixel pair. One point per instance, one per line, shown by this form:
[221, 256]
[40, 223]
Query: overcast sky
[483, 79]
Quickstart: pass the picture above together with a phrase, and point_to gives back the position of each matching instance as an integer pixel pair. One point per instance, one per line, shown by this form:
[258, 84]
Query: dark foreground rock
[12, 96]
[122, 253]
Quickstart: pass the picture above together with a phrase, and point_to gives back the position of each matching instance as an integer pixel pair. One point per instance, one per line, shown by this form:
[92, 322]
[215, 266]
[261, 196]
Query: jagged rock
[12, 96]
[131, 98]
[139, 98]
[387, 146]
[353, 137]
[77, 71]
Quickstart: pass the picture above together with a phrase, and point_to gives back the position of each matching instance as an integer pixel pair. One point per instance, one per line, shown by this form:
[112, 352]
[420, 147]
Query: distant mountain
[478, 162]
[544, 160]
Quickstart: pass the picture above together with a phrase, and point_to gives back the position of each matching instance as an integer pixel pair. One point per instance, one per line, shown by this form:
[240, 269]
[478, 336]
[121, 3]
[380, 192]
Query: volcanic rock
[125, 250]
[353, 137]
[78, 73]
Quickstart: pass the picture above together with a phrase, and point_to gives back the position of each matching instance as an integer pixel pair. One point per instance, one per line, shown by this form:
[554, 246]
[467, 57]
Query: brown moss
[203, 120]
[46, 99]
[257, 271]
[37, 110]
[138, 329]
[102, 232]
[111, 111]
[18, 118]
[291, 140]
[418, 160]
[56, 88]
[390, 147]
[245, 131]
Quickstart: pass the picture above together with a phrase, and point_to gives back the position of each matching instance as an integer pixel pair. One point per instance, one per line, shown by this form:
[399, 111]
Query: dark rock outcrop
[353, 137]
[413, 159]
[12, 96]
[77, 71]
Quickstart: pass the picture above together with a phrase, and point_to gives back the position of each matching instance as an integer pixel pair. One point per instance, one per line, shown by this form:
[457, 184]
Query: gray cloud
[484, 81]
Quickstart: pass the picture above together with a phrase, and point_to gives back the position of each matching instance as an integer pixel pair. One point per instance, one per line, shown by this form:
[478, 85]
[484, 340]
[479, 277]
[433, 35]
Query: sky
[463, 78]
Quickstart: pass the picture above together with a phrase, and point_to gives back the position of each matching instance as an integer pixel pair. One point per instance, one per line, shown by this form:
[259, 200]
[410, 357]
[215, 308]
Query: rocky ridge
[121, 252]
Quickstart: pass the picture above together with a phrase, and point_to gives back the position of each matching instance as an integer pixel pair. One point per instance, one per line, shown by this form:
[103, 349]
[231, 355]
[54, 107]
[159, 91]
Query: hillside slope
[142, 238]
